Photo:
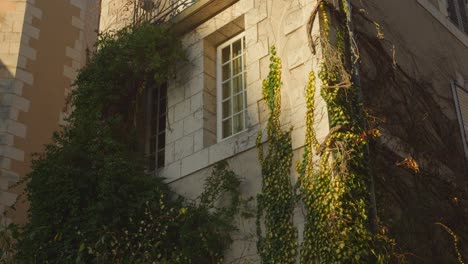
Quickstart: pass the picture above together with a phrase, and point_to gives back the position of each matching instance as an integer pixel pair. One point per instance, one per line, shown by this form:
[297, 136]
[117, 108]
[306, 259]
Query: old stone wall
[409, 54]
[192, 146]
[43, 44]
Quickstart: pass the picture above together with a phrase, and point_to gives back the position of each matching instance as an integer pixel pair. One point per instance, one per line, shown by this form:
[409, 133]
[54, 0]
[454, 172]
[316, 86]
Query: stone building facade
[42, 45]
[419, 95]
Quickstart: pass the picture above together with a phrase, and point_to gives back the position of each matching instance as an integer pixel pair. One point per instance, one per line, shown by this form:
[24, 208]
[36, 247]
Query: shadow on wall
[8, 90]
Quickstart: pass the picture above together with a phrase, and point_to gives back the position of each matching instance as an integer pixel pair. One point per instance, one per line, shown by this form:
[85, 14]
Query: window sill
[462, 37]
[209, 156]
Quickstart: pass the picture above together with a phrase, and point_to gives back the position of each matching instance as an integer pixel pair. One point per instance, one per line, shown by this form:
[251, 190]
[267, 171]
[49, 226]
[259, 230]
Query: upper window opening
[458, 13]
[231, 87]
[157, 127]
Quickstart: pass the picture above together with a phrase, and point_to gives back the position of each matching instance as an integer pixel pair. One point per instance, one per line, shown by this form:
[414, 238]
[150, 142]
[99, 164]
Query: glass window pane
[236, 48]
[152, 144]
[162, 106]
[226, 71]
[238, 122]
[226, 90]
[152, 163]
[237, 84]
[161, 141]
[237, 66]
[227, 108]
[162, 123]
[161, 159]
[227, 130]
[226, 54]
[238, 103]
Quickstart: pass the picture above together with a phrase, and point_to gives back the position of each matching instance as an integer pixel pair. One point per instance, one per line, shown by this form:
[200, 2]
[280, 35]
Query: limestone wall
[408, 63]
[191, 141]
[43, 44]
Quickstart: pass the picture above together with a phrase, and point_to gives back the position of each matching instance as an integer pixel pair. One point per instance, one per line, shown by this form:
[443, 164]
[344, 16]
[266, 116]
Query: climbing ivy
[276, 200]
[91, 197]
[335, 191]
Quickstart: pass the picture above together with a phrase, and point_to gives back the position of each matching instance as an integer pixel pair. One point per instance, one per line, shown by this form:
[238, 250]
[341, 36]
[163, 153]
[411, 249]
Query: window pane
[162, 106]
[239, 122]
[238, 103]
[152, 144]
[226, 90]
[237, 84]
[161, 158]
[227, 108]
[226, 71]
[152, 162]
[236, 48]
[162, 123]
[226, 54]
[237, 66]
[161, 141]
[227, 131]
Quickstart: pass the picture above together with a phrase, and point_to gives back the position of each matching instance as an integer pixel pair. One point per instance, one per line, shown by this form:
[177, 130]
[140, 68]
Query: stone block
[16, 101]
[77, 22]
[220, 151]
[31, 31]
[7, 198]
[193, 122]
[24, 76]
[209, 102]
[174, 131]
[35, 12]
[293, 20]
[12, 153]
[198, 140]
[26, 51]
[73, 53]
[69, 72]
[209, 66]
[196, 102]
[16, 128]
[194, 162]
[253, 72]
[183, 147]
[4, 47]
[257, 50]
[171, 172]
[181, 110]
[257, 14]
[194, 85]
[251, 35]
[22, 62]
[295, 58]
[175, 95]
[169, 153]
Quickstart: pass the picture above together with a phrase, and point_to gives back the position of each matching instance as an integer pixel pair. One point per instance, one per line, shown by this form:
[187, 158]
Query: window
[460, 94]
[231, 87]
[458, 13]
[157, 126]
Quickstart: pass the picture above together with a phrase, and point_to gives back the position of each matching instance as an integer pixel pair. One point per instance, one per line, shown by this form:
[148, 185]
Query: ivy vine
[335, 191]
[91, 198]
[276, 201]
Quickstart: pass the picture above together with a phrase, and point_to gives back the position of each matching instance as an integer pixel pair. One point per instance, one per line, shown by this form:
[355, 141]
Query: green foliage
[91, 200]
[276, 201]
[335, 192]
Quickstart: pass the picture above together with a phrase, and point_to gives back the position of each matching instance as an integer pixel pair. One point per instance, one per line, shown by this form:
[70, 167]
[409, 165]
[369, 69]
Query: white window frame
[219, 89]
[440, 13]
[462, 87]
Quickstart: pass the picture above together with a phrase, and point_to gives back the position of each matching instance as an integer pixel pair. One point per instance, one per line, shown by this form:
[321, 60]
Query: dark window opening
[157, 127]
